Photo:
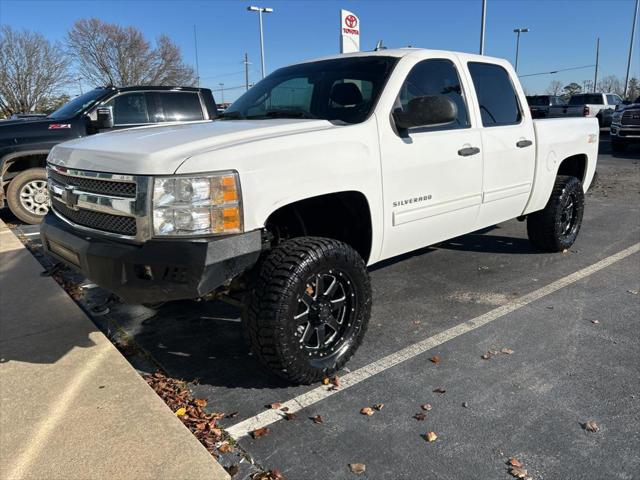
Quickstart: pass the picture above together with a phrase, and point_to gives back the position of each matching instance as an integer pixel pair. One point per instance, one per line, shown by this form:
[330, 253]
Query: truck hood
[160, 150]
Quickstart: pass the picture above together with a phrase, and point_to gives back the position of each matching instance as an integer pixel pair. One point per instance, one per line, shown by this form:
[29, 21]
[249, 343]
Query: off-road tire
[618, 146]
[275, 290]
[13, 194]
[548, 229]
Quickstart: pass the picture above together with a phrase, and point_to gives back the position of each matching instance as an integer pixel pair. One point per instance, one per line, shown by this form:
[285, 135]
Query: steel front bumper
[157, 270]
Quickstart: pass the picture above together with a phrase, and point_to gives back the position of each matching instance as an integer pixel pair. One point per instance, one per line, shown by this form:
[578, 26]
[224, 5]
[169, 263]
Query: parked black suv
[25, 142]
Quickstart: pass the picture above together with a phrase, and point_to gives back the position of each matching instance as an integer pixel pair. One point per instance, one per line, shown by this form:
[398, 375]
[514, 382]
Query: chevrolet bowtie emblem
[70, 197]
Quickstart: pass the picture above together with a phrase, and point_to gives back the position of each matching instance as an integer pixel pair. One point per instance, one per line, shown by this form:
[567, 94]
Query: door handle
[524, 143]
[468, 151]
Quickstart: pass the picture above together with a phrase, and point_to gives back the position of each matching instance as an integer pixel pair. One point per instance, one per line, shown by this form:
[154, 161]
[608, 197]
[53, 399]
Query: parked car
[26, 142]
[319, 170]
[598, 105]
[625, 126]
[541, 106]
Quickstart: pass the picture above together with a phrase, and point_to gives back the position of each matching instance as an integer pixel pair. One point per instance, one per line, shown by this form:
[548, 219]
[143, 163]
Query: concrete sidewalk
[71, 407]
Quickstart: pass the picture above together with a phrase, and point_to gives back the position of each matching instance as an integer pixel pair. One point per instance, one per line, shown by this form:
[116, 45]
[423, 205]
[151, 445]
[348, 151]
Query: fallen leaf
[506, 350]
[367, 411]
[276, 474]
[591, 426]
[181, 411]
[431, 437]
[439, 390]
[335, 381]
[325, 381]
[465, 404]
[225, 448]
[274, 406]
[420, 416]
[486, 356]
[595, 321]
[426, 406]
[260, 432]
[565, 250]
[232, 414]
[285, 409]
[435, 359]
[290, 416]
[633, 292]
[201, 402]
[417, 322]
[518, 472]
[379, 406]
[317, 419]
[514, 462]
[232, 470]
[201, 426]
[357, 468]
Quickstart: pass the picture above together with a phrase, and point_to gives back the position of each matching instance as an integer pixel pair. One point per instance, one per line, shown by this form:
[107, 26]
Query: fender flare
[8, 160]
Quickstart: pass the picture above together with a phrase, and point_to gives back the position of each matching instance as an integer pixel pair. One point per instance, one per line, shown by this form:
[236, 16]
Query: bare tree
[633, 89]
[611, 84]
[107, 53]
[32, 70]
[572, 89]
[554, 88]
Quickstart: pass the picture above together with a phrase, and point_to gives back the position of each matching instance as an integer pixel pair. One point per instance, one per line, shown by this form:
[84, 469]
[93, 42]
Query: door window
[129, 109]
[435, 77]
[177, 107]
[614, 100]
[497, 98]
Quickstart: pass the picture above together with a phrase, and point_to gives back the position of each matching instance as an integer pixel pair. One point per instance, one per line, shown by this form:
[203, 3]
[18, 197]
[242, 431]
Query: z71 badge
[409, 201]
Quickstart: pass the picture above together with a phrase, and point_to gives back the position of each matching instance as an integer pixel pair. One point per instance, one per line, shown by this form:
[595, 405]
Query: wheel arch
[16, 162]
[574, 166]
[343, 216]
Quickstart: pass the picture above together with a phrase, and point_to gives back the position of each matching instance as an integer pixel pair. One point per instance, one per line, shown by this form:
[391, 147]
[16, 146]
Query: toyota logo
[351, 21]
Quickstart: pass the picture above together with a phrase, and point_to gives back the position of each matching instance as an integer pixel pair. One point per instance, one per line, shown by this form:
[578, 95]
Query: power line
[556, 71]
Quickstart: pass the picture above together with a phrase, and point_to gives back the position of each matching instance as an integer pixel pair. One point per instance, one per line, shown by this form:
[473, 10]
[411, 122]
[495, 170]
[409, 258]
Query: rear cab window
[497, 98]
[177, 107]
[594, 99]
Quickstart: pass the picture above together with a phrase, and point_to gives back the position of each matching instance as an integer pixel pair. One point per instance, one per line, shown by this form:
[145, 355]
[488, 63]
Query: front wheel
[27, 195]
[308, 309]
[555, 228]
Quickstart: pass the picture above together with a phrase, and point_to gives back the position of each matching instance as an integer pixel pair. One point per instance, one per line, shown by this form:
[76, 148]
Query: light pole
[260, 11]
[484, 18]
[518, 31]
[633, 34]
[221, 92]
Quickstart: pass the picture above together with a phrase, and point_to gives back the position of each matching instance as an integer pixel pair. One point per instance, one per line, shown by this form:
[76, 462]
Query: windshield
[78, 104]
[539, 100]
[344, 90]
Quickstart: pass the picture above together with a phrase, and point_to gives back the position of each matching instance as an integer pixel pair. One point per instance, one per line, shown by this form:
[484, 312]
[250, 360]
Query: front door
[432, 176]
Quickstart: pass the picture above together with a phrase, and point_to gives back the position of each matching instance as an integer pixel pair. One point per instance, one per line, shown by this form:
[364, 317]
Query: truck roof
[402, 52]
[152, 87]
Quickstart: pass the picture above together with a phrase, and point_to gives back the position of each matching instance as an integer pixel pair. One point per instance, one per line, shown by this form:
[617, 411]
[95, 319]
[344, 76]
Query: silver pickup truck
[594, 105]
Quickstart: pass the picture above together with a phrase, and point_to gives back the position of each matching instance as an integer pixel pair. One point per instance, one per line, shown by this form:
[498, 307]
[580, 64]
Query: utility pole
[221, 92]
[195, 42]
[518, 31]
[595, 77]
[246, 71]
[260, 11]
[633, 35]
[484, 18]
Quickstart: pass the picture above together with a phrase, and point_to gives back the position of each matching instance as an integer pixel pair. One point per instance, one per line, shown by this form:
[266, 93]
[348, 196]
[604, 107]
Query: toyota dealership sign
[349, 32]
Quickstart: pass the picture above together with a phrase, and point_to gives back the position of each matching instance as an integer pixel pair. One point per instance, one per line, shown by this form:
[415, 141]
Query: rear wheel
[556, 228]
[309, 307]
[27, 195]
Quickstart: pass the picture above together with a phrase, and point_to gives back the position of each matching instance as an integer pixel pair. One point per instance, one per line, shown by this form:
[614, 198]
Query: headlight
[617, 117]
[197, 205]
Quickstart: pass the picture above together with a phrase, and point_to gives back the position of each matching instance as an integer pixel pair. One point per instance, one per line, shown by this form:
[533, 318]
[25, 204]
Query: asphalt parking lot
[570, 320]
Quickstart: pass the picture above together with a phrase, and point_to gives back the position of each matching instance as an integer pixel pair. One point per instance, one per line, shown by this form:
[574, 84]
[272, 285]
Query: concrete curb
[71, 407]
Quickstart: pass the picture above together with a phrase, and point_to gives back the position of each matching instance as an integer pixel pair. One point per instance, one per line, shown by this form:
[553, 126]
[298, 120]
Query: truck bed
[556, 140]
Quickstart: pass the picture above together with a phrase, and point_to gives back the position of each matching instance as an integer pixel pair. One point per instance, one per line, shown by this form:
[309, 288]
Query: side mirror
[428, 111]
[104, 118]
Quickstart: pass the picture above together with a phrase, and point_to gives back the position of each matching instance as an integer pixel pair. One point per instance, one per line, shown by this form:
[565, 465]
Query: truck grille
[91, 185]
[631, 117]
[97, 220]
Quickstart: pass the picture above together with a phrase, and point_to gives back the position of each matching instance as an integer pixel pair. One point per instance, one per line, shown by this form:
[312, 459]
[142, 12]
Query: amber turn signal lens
[231, 219]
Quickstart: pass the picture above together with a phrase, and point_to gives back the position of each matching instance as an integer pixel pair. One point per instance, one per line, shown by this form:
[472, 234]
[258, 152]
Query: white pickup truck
[320, 170]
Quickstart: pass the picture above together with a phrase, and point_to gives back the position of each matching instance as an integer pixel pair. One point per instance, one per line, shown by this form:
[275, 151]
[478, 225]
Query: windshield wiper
[285, 114]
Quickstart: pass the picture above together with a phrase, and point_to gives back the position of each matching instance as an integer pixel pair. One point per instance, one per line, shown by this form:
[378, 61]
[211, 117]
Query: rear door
[431, 176]
[507, 143]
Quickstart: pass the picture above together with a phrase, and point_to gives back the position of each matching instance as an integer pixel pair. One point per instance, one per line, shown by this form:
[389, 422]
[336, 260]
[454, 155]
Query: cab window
[496, 96]
[435, 77]
[130, 109]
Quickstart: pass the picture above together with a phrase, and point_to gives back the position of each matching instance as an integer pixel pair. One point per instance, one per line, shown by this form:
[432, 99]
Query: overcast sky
[562, 32]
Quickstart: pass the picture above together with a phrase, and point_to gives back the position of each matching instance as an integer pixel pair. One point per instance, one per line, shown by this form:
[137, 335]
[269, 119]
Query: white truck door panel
[432, 179]
[508, 144]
